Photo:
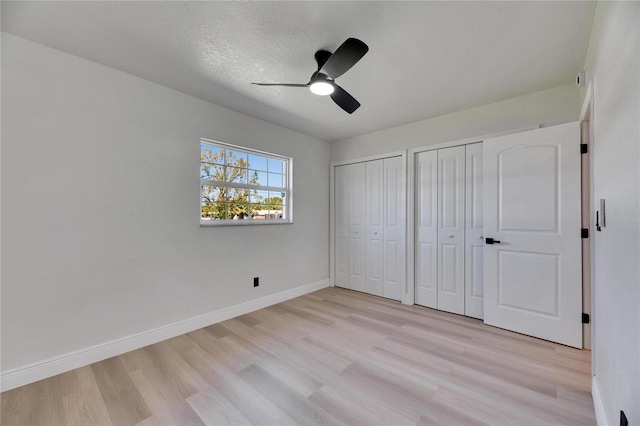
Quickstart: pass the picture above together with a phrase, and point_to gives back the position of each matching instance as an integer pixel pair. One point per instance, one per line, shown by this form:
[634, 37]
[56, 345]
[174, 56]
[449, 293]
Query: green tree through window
[234, 184]
[225, 202]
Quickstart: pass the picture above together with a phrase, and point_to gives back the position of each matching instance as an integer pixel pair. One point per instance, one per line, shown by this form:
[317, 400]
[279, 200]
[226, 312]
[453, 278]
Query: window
[241, 186]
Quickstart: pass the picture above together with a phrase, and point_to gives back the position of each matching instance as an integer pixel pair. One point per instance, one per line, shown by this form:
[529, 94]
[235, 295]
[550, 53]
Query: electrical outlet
[623, 419]
[256, 281]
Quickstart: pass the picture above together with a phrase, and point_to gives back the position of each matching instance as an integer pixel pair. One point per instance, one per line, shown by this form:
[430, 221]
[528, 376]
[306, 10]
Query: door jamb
[588, 283]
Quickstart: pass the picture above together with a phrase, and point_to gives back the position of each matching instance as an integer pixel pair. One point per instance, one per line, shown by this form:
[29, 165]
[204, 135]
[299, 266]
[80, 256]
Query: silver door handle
[480, 237]
[450, 235]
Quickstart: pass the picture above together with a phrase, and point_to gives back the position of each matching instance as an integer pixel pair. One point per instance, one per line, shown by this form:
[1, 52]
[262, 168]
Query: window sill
[243, 222]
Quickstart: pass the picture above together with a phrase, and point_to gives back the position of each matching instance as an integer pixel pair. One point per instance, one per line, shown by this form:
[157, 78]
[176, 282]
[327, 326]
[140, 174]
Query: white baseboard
[41, 370]
[598, 405]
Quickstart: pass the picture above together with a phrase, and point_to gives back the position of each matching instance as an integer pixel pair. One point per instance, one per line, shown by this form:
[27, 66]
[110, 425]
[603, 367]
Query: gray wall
[549, 107]
[613, 63]
[100, 207]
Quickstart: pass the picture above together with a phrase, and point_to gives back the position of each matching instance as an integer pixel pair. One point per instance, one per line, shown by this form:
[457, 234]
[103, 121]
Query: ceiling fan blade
[282, 84]
[344, 100]
[345, 56]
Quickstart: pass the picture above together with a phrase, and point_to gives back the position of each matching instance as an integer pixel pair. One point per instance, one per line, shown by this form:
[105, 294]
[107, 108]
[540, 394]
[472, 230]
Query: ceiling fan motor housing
[321, 57]
[318, 76]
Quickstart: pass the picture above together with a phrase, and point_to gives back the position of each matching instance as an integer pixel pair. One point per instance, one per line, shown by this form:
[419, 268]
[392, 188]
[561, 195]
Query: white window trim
[288, 211]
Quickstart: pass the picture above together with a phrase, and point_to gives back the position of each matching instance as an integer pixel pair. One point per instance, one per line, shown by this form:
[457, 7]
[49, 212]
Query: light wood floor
[331, 357]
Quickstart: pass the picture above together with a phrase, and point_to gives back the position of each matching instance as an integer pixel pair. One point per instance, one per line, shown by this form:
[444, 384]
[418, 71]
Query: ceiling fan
[331, 66]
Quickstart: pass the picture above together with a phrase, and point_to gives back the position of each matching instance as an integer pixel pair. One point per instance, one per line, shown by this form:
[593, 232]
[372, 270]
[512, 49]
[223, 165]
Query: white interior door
[357, 227]
[474, 241]
[341, 214]
[426, 226]
[394, 227]
[532, 277]
[451, 185]
[374, 227]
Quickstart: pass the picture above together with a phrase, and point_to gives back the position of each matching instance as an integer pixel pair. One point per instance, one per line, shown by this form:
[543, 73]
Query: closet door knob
[450, 235]
[480, 237]
[375, 233]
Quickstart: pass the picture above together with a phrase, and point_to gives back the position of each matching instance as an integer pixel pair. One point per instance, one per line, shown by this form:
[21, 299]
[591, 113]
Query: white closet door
[532, 271]
[474, 242]
[357, 226]
[426, 218]
[394, 228]
[451, 183]
[341, 214]
[374, 227]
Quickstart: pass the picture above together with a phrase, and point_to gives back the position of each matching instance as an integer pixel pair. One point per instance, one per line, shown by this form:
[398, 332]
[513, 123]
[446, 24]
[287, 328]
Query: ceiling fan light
[321, 88]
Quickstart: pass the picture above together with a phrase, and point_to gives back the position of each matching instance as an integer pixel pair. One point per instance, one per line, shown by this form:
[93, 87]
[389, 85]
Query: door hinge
[584, 233]
[586, 319]
[584, 148]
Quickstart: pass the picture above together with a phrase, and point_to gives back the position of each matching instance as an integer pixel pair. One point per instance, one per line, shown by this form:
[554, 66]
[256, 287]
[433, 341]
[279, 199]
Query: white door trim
[586, 114]
[401, 153]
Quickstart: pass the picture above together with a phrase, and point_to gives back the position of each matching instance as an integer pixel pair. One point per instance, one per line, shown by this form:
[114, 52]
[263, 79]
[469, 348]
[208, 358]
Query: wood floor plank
[289, 309]
[472, 406]
[317, 356]
[387, 389]
[256, 337]
[173, 367]
[330, 357]
[86, 378]
[296, 379]
[214, 409]
[248, 319]
[217, 331]
[135, 360]
[86, 408]
[438, 414]
[425, 360]
[576, 401]
[222, 351]
[163, 398]
[38, 403]
[121, 397]
[259, 411]
[300, 409]
[542, 407]
[347, 408]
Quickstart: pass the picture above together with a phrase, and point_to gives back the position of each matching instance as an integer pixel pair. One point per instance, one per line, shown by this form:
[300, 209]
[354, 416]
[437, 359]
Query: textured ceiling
[425, 59]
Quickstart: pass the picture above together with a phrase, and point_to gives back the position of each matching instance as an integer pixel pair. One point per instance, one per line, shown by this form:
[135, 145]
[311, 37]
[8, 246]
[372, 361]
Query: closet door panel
[474, 243]
[341, 214]
[449, 270]
[451, 213]
[394, 227]
[357, 236]
[426, 225]
[374, 212]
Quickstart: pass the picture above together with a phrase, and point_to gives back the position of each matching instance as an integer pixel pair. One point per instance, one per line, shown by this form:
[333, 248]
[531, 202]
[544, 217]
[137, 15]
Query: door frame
[588, 283]
[332, 166]
[411, 198]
